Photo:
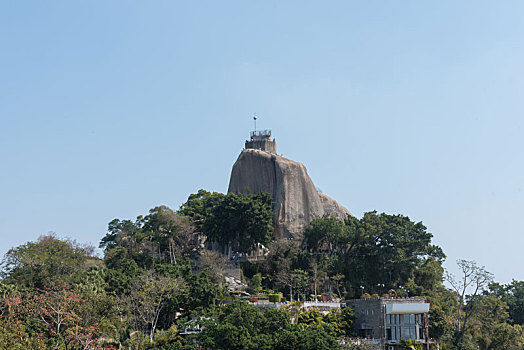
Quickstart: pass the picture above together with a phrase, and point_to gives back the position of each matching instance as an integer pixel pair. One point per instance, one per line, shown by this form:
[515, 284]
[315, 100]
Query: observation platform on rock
[261, 139]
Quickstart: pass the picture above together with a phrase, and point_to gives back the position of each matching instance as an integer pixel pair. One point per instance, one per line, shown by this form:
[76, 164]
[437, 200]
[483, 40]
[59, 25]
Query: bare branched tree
[216, 264]
[318, 276]
[147, 298]
[473, 280]
[284, 277]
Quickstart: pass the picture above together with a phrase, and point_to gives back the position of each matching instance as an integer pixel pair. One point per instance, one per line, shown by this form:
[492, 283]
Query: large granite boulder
[296, 198]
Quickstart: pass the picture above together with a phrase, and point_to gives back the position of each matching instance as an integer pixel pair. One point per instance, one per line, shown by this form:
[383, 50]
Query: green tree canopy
[47, 261]
[378, 251]
[513, 295]
[241, 220]
[243, 326]
[162, 236]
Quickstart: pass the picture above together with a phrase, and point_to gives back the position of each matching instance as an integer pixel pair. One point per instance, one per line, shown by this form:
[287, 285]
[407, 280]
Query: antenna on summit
[261, 139]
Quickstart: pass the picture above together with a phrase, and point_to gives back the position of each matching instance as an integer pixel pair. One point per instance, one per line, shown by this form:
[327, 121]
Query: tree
[337, 280]
[215, 263]
[429, 275]
[148, 297]
[410, 344]
[376, 250]
[200, 205]
[243, 326]
[283, 259]
[276, 320]
[285, 278]
[473, 280]
[235, 327]
[513, 295]
[202, 292]
[341, 321]
[311, 317]
[393, 249]
[173, 233]
[159, 237]
[323, 234]
[515, 300]
[312, 338]
[300, 282]
[318, 276]
[239, 220]
[441, 324]
[255, 283]
[489, 313]
[47, 261]
[14, 333]
[507, 337]
[55, 308]
[121, 233]
[50, 316]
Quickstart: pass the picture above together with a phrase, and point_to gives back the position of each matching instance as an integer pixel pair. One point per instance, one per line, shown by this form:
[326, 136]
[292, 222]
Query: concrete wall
[368, 316]
[264, 145]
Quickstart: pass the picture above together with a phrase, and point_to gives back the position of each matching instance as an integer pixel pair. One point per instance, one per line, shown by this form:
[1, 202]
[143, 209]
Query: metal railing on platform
[261, 133]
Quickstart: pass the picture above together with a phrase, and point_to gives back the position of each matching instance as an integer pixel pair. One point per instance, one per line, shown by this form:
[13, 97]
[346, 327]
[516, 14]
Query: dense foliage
[158, 286]
[242, 326]
[241, 221]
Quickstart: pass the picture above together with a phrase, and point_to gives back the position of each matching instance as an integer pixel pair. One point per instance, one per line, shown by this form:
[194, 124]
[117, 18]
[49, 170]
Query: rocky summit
[296, 199]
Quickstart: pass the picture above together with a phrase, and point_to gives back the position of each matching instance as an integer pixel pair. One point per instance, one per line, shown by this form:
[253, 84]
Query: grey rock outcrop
[296, 198]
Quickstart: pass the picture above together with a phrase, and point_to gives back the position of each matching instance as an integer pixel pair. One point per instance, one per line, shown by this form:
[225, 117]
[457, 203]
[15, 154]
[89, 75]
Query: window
[394, 333]
[365, 333]
[409, 332]
[390, 319]
[407, 319]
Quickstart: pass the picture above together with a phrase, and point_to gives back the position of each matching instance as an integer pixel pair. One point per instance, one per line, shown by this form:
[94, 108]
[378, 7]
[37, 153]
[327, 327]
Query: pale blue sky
[108, 108]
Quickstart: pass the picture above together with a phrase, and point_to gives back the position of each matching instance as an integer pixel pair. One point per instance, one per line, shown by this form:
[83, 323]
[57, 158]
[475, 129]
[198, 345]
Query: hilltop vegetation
[157, 287]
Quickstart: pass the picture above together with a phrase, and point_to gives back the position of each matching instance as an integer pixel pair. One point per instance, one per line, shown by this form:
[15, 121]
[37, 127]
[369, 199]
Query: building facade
[261, 140]
[383, 322]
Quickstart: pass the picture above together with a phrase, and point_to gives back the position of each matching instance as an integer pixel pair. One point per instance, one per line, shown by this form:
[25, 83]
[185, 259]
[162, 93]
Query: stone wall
[368, 316]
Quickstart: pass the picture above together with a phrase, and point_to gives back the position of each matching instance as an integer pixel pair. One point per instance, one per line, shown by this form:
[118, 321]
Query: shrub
[275, 298]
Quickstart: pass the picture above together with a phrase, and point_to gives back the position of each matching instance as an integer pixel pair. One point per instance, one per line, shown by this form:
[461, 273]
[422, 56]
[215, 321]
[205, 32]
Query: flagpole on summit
[255, 119]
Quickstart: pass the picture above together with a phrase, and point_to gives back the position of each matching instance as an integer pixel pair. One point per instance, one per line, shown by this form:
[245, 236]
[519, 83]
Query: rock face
[296, 198]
